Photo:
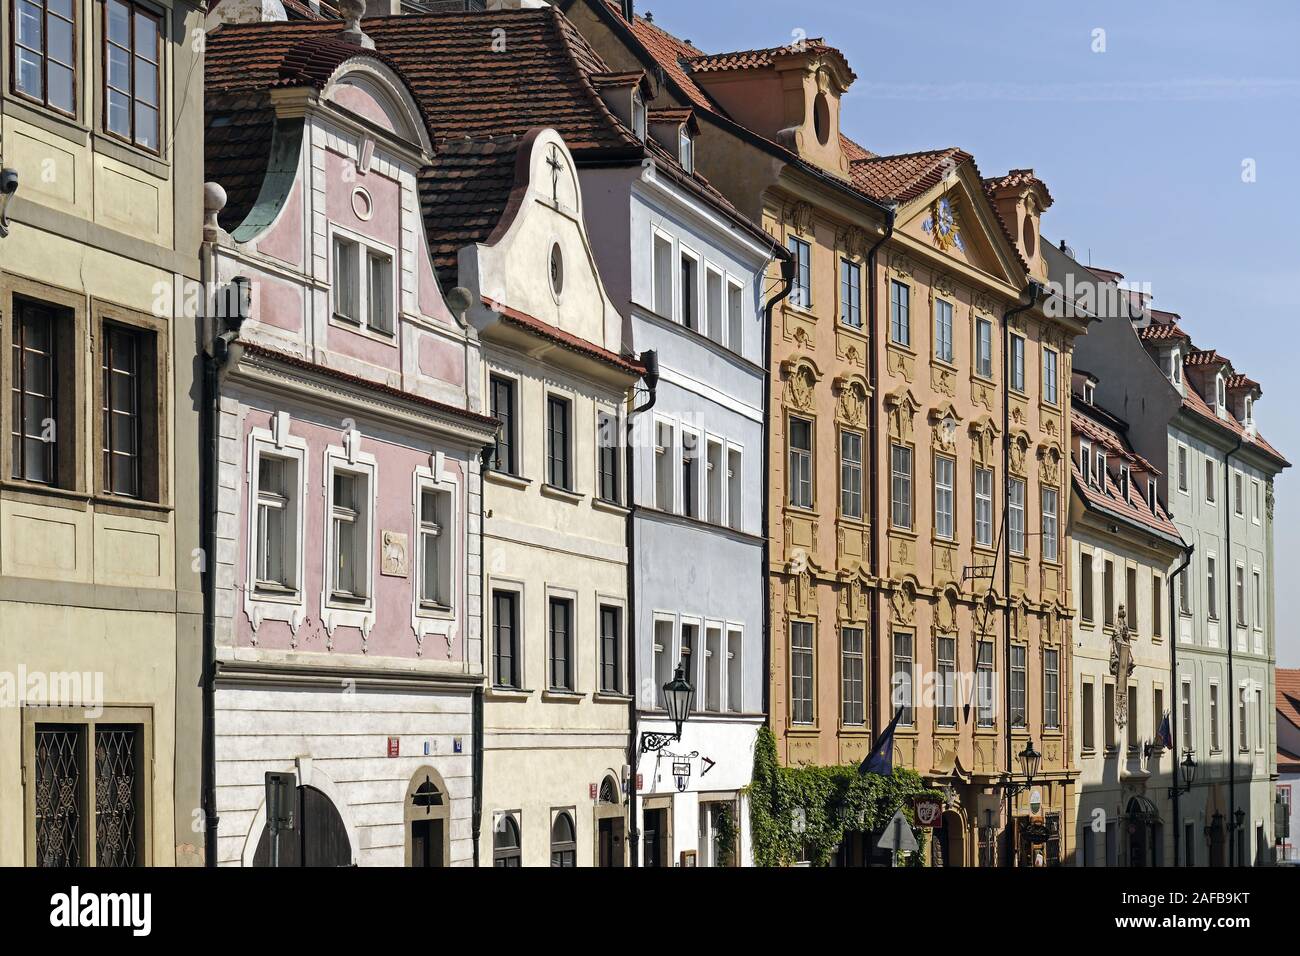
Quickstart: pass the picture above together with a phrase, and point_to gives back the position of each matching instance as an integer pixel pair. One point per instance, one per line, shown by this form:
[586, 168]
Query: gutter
[1173, 670]
[1034, 290]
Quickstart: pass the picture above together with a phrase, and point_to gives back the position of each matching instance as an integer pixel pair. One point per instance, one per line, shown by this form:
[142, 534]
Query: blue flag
[881, 758]
[1165, 734]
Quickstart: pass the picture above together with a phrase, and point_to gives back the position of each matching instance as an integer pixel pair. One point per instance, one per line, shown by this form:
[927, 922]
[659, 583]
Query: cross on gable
[556, 166]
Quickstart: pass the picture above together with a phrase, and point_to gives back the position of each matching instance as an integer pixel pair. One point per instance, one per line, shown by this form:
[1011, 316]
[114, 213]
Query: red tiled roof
[1161, 332]
[905, 176]
[1107, 494]
[238, 129]
[297, 361]
[1194, 403]
[757, 59]
[566, 339]
[855, 151]
[1017, 178]
[1238, 380]
[1287, 688]
[1204, 358]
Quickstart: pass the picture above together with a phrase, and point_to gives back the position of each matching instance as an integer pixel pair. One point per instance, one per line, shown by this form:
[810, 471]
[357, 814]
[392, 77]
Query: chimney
[628, 12]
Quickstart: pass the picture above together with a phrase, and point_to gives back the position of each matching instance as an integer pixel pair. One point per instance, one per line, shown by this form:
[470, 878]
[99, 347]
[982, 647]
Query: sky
[1166, 131]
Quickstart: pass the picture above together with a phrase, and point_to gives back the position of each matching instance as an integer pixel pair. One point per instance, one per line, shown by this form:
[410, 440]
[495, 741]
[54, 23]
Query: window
[1088, 717]
[1051, 688]
[713, 304]
[1051, 540]
[944, 476]
[1182, 468]
[1241, 596]
[984, 507]
[561, 642]
[735, 676]
[984, 701]
[663, 649]
[506, 669]
[850, 294]
[1214, 719]
[735, 500]
[801, 672]
[690, 474]
[801, 486]
[1176, 366]
[686, 150]
[1134, 732]
[853, 709]
[735, 317]
[690, 291]
[277, 524]
[687, 657]
[1016, 516]
[559, 474]
[362, 293]
[504, 457]
[664, 466]
[943, 330]
[1050, 376]
[638, 115]
[1157, 711]
[611, 649]
[984, 348]
[900, 466]
[1212, 587]
[663, 277]
[1185, 718]
[1220, 394]
[608, 470]
[1238, 494]
[801, 291]
[901, 683]
[712, 696]
[564, 844]
[1108, 594]
[97, 775]
[946, 674]
[1254, 505]
[1157, 606]
[1085, 588]
[435, 548]
[900, 320]
[1090, 392]
[35, 393]
[1189, 842]
[131, 73]
[713, 481]
[1184, 597]
[44, 52]
[1017, 363]
[1211, 482]
[1257, 606]
[1018, 686]
[1151, 496]
[851, 474]
[1108, 716]
[1131, 599]
[505, 843]
[349, 536]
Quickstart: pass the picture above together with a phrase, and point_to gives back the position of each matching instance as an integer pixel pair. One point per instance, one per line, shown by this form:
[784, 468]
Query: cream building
[100, 608]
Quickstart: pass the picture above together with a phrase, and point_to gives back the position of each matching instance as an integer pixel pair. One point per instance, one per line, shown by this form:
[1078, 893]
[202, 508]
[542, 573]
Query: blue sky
[1142, 146]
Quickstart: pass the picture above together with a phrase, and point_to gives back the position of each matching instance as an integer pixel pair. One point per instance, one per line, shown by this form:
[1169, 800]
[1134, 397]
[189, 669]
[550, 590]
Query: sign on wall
[928, 811]
[393, 561]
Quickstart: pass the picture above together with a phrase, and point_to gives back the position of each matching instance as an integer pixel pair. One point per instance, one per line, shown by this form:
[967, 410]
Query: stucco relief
[853, 604]
[945, 611]
[901, 266]
[981, 394]
[901, 408]
[1019, 452]
[799, 215]
[944, 425]
[1049, 463]
[902, 554]
[852, 241]
[901, 364]
[984, 436]
[852, 390]
[902, 602]
[943, 381]
[801, 377]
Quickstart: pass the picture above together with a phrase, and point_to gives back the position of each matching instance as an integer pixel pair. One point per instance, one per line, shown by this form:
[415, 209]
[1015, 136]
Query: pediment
[955, 219]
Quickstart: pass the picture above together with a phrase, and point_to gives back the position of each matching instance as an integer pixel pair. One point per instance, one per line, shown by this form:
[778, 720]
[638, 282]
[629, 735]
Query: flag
[881, 758]
[1164, 734]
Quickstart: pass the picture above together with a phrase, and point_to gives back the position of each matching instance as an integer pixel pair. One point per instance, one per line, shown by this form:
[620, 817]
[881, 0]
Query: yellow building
[100, 608]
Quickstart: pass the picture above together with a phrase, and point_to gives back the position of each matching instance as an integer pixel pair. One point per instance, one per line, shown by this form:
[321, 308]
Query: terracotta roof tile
[237, 136]
[1162, 332]
[565, 339]
[1196, 405]
[1204, 358]
[1016, 178]
[1107, 493]
[757, 59]
[1287, 688]
[905, 176]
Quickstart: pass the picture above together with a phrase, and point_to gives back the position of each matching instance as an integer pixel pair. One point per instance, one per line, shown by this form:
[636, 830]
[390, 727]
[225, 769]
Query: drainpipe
[1232, 637]
[873, 442]
[1034, 290]
[650, 360]
[1178, 687]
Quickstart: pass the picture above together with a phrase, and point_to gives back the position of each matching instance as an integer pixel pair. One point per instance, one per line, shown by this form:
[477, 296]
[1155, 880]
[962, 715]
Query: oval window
[557, 269]
[822, 118]
[1030, 236]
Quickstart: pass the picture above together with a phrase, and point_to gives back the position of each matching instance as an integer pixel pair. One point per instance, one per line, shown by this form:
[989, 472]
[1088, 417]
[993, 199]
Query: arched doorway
[428, 820]
[609, 824]
[949, 841]
[1142, 826]
[318, 837]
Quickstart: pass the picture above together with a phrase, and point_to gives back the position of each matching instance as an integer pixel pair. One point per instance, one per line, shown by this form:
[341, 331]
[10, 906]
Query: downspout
[879, 717]
[650, 361]
[1034, 289]
[1232, 637]
[787, 284]
[1178, 688]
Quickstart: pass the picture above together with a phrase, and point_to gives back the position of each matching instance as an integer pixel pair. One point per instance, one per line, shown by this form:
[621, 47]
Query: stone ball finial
[352, 11]
[214, 200]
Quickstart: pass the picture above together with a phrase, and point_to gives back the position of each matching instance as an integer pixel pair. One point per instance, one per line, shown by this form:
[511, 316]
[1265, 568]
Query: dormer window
[686, 150]
[1123, 481]
[1101, 470]
[1176, 366]
[1151, 495]
[1220, 393]
[1085, 460]
[1250, 411]
[1089, 393]
[638, 115]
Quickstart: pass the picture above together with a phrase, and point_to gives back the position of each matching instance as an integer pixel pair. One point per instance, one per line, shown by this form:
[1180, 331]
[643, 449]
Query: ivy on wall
[834, 801]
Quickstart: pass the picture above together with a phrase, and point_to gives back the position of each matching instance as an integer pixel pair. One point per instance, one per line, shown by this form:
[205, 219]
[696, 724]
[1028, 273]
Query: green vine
[826, 803]
[725, 835]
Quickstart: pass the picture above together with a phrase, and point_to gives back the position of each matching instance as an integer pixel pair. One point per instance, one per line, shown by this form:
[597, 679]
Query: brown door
[318, 838]
[609, 834]
[426, 843]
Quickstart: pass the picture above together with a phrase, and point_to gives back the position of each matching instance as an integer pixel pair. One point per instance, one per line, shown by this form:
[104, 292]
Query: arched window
[428, 820]
[609, 791]
[564, 844]
[506, 850]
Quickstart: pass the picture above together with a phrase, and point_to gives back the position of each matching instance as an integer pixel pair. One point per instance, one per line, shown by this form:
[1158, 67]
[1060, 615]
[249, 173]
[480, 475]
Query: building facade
[1217, 485]
[100, 602]
[1286, 835]
[348, 615]
[885, 360]
[1123, 549]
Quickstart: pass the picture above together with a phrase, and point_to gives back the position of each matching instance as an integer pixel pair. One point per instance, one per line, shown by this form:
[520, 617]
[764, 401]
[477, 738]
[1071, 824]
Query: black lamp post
[678, 697]
[1030, 761]
[1188, 770]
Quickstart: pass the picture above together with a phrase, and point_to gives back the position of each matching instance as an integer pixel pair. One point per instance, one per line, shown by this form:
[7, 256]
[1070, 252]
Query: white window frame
[980, 370]
[367, 245]
[1176, 367]
[518, 434]
[289, 607]
[1051, 384]
[1238, 493]
[1020, 388]
[854, 269]
[1055, 516]
[736, 659]
[948, 490]
[1254, 500]
[620, 480]
[427, 619]
[734, 291]
[520, 649]
[359, 614]
[701, 461]
[734, 487]
[715, 480]
[1211, 481]
[1184, 466]
[656, 236]
[668, 453]
[669, 651]
[1085, 460]
[575, 639]
[978, 498]
[612, 601]
[683, 253]
[1011, 513]
[570, 440]
[718, 335]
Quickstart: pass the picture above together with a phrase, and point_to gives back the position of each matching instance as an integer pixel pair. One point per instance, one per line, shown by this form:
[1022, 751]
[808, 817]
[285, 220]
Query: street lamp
[678, 697]
[1030, 760]
[1188, 770]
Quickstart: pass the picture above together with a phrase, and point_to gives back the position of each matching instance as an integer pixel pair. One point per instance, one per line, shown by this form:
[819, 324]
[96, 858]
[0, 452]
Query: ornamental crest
[943, 226]
[1121, 664]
